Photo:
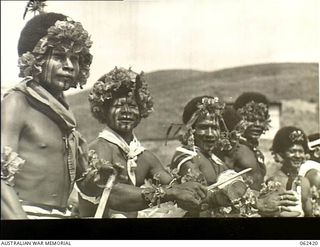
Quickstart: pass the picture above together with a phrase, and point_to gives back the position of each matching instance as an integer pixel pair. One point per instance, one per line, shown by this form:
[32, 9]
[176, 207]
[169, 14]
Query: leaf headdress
[120, 81]
[51, 30]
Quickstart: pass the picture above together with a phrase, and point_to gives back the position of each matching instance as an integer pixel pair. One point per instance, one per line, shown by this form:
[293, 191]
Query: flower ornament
[296, 136]
[108, 85]
[67, 36]
[216, 107]
[207, 106]
[269, 187]
[27, 64]
[254, 111]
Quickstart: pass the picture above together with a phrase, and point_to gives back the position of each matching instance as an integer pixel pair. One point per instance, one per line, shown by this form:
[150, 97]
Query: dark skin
[242, 157]
[268, 205]
[207, 132]
[44, 177]
[39, 143]
[314, 177]
[292, 158]
[124, 196]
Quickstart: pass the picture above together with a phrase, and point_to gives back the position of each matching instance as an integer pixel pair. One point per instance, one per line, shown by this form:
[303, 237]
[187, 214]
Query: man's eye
[74, 58]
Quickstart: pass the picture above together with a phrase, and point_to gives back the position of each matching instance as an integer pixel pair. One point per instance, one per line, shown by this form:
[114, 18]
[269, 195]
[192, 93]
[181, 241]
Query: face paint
[123, 115]
[257, 117]
[255, 128]
[60, 71]
[207, 132]
[294, 156]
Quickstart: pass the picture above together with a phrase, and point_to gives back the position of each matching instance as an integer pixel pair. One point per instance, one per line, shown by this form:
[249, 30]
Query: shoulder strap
[44, 109]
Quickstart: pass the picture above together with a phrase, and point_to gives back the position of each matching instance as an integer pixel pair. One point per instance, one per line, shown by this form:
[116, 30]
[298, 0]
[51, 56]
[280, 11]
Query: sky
[152, 35]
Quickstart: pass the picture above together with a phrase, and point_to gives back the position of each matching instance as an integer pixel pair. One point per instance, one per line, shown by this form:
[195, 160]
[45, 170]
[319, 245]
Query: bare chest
[41, 133]
[209, 168]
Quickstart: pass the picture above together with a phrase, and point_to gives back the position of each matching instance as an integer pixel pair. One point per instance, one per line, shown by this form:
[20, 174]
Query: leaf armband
[10, 165]
[153, 193]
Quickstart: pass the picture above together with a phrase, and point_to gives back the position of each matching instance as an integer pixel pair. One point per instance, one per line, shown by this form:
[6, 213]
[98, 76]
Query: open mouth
[256, 131]
[296, 163]
[126, 119]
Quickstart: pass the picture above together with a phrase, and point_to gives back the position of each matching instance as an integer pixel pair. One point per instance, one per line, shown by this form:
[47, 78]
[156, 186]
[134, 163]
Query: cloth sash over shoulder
[132, 150]
[184, 155]
[307, 166]
[40, 99]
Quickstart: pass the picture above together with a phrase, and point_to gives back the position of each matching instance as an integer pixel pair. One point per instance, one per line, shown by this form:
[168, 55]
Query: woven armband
[153, 196]
[10, 165]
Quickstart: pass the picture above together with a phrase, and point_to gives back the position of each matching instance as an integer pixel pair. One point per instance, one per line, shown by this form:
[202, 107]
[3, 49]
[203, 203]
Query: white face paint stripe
[48, 70]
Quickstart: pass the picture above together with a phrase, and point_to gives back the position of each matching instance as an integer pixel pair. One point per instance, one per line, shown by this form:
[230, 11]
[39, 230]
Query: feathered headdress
[35, 6]
[52, 30]
[195, 109]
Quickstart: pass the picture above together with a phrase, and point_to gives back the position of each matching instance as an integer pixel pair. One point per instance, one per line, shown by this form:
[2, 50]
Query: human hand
[278, 203]
[103, 169]
[188, 195]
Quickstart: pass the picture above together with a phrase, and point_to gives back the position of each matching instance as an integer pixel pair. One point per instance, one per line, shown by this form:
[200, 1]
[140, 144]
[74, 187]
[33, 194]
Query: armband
[153, 196]
[152, 193]
[10, 165]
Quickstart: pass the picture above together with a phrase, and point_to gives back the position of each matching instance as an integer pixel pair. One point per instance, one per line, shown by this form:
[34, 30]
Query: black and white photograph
[187, 112]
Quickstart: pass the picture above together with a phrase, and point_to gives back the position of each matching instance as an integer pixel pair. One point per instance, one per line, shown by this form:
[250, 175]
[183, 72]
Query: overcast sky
[154, 35]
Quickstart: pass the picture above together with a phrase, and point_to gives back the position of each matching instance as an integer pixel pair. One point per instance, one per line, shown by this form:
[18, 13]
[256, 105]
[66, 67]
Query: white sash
[132, 150]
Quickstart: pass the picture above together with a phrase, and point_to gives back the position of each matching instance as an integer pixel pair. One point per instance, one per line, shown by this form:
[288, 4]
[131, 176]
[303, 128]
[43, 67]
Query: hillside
[172, 89]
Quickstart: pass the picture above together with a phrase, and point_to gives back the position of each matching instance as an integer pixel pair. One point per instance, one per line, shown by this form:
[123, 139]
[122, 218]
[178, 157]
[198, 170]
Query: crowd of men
[217, 171]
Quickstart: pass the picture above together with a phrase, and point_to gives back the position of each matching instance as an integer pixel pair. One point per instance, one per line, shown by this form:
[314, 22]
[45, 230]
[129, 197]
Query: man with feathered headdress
[119, 100]
[205, 135]
[43, 154]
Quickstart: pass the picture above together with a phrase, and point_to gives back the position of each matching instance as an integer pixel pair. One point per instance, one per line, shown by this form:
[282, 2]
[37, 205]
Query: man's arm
[10, 205]
[306, 196]
[13, 110]
[126, 197]
[245, 158]
[155, 167]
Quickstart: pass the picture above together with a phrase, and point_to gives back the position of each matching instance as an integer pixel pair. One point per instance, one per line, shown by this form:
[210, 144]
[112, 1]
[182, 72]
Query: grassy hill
[172, 89]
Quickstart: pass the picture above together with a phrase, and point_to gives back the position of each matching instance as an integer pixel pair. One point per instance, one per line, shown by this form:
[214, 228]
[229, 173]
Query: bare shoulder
[15, 101]
[313, 176]
[305, 182]
[244, 157]
[15, 111]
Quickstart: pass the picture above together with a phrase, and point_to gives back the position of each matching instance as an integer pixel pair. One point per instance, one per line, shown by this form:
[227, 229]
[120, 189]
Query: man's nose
[211, 132]
[298, 154]
[257, 123]
[125, 108]
[67, 64]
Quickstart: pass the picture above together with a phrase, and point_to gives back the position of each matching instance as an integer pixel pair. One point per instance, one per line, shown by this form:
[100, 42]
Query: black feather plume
[35, 6]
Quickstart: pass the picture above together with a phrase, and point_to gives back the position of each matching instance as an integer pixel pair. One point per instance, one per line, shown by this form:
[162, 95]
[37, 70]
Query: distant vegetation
[294, 84]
